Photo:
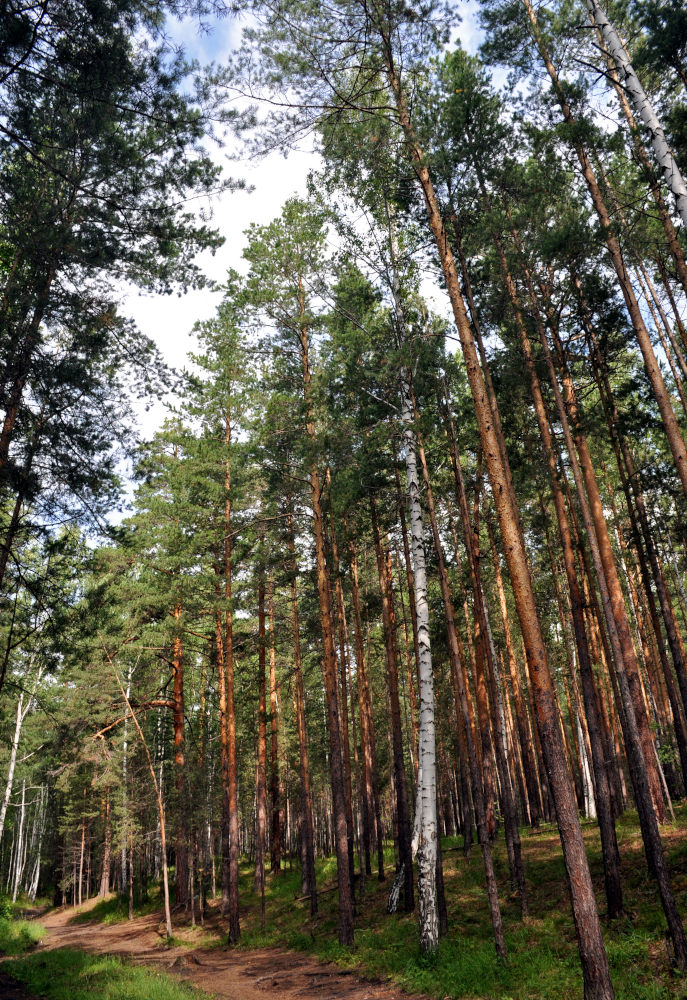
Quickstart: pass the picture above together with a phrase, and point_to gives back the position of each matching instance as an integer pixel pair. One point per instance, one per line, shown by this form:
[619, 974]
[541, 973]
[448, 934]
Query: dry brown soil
[229, 974]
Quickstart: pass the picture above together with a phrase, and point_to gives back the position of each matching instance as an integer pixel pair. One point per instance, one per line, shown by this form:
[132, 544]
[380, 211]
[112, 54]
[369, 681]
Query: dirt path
[228, 974]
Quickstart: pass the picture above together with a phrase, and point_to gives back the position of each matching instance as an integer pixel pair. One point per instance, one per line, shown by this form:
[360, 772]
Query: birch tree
[643, 106]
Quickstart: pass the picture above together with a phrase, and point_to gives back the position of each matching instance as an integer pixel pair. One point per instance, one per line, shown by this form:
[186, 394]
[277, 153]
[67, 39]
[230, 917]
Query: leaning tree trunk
[654, 374]
[632, 86]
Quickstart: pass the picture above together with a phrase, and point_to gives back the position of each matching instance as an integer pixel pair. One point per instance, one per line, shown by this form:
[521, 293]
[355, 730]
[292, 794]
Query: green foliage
[18, 936]
[65, 974]
[115, 909]
[543, 962]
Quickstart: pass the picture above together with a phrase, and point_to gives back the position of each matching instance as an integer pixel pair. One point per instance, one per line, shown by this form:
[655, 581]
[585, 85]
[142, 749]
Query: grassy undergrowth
[115, 909]
[543, 957]
[18, 936]
[66, 974]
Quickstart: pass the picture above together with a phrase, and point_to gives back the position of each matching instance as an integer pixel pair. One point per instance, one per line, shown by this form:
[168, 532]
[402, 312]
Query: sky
[169, 319]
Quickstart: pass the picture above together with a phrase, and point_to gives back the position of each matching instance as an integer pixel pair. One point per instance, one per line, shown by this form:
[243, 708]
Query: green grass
[115, 909]
[18, 936]
[66, 974]
[543, 957]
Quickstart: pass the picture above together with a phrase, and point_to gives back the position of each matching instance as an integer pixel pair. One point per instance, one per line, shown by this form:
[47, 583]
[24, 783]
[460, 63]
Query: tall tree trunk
[180, 840]
[107, 846]
[234, 931]
[367, 732]
[224, 763]
[158, 796]
[632, 86]
[261, 763]
[329, 673]
[426, 805]
[529, 767]
[275, 785]
[670, 424]
[461, 704]
[342, 630]
[596, 974]
[309, 884]
[405, 860]
[484, 674]
[426, 800]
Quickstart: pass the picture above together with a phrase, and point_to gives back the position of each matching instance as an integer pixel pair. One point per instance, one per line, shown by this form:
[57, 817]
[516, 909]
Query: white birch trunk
[13, 762]
[426, 804]
[672, 559]
[22, 711]
[587, 784]
[21, 847]
[643, 107]
[33, 886]
[426, 786]
[11, 864]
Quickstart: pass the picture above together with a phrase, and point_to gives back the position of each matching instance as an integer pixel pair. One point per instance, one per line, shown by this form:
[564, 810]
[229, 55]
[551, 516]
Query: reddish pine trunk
[329, 672]
[275, 790]
[180, 846]
[261, 768]
[234, 934]
[367, 732]
[107, 846]
[592, 951]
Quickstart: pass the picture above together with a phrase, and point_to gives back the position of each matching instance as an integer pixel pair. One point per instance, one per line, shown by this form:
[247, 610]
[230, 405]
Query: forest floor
[297, 955]
[225, 974]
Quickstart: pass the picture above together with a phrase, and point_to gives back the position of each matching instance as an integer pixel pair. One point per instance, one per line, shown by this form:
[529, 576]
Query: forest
[375, 648]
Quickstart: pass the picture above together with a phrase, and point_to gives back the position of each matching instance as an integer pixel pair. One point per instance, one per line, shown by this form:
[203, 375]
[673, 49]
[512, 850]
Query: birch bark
[426, 804]
[631, 83]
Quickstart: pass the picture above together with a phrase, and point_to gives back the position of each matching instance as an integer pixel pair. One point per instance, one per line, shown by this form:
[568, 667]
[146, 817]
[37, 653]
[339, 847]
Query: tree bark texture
[597, 981]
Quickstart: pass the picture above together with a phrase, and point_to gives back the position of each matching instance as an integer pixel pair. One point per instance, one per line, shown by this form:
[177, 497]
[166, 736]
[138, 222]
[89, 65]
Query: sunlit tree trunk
[592, 951]
[405, 860]
[632, 86]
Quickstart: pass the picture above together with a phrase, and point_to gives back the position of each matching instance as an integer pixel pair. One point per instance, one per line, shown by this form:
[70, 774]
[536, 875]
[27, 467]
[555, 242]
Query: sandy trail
[224, 973]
